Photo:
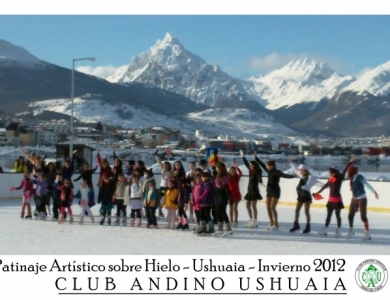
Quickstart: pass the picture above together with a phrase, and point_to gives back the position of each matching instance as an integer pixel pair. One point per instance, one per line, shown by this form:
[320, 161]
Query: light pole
[72, 98]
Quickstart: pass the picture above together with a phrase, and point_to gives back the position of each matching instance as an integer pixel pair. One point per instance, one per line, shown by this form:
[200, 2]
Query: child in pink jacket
[28, 193]
[196, 194]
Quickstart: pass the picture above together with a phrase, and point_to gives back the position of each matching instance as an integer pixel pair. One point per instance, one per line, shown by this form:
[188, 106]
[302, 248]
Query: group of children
[203, 192]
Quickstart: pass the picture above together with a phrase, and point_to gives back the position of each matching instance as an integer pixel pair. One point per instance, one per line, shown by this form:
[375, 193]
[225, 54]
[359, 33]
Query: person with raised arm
[358, 184]
[335, 201]
[306, 182]
[235, 175]
[253, 191]
[273, 190]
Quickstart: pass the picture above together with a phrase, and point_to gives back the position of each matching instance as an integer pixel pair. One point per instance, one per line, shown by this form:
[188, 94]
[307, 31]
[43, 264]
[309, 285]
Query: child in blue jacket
[86, 197]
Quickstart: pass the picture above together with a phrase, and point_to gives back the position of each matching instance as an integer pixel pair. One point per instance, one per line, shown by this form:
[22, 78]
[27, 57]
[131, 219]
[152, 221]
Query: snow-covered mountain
[236, 122]
[168, 65]
[11, 54]
[375, 81]
[300, 81]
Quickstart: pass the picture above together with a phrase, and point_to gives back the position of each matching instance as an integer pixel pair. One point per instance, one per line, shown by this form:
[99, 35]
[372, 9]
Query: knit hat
[303, 167]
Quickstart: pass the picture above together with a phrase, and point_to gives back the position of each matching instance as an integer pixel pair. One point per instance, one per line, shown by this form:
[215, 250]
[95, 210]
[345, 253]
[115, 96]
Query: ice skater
[335, 201]
[67, 196]
[253, 192]
[359, 200]
[86, 197]
[235, 175]
[28, 192]
[304, 199]
[273, 190]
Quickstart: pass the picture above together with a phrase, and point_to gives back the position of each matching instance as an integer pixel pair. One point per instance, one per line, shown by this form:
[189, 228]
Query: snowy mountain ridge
[168, 65]
[300, 81]
[375, 81]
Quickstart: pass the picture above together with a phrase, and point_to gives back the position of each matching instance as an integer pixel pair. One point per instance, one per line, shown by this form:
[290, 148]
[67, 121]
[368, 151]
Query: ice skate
[219, 231]
[124, 221]
[269, 227]
[248, 223]
[71, 220]
[102, 220]
[235, 224]
[92, 219]
[324, 231]
[253, 224]
[367, 236]
[210, 229]
[228, 230]
[109, 220]
[338, 232]
[139, 224]
[81, 220]
[351, 233]
[295, 227]
[132, 222]
[61, 219]
[307, 229]
[168, 225]
[117, 221]
[274, 228]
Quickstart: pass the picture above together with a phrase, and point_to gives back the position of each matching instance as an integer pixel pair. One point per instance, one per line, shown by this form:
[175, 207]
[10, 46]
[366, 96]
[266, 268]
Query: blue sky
[240, 45]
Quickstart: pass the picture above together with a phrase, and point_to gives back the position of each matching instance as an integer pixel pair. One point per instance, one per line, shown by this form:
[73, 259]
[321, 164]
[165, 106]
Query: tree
[99, 126]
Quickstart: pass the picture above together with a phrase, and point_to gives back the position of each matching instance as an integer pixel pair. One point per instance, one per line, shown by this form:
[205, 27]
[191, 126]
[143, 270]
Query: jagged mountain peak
[168, 65]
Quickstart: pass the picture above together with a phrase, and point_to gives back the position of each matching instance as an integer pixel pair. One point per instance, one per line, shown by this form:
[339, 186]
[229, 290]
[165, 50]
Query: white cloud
[100, 71]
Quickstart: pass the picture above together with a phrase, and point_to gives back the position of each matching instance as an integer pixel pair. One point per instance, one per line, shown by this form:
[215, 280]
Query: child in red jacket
[235, 175]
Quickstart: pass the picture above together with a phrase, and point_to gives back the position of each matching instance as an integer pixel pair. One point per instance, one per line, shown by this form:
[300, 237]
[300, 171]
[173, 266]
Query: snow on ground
[119, 114]
[31, 237]
[233, 122]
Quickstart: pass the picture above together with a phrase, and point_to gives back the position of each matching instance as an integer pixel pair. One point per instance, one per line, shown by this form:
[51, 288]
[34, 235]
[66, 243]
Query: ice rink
[21, 236]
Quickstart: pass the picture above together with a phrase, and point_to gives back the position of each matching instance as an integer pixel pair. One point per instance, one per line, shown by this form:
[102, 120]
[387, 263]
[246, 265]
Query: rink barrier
[288, 188]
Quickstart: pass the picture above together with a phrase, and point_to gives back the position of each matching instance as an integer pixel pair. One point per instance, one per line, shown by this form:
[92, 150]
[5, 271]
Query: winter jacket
[171, 199]
[358, 190]
[120, 190]
[27, 186]
[103, 171]
[165, 175]
[86, 194]
[334, 184]
[144, 186]
[20, 169]
[207, 194]
[151, 198]
[106, 192]
[184, 195]
[234, 186]
[308, 182]
[196, 194]
[132, 191]
[41, 189]
[57, 192]
[63, 196]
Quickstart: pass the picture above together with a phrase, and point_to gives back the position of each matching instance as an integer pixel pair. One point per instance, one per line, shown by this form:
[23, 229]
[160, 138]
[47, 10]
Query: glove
[12, 188]
[241, 153]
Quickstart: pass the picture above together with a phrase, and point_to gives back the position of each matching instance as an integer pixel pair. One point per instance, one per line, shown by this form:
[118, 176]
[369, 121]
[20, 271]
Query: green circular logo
[371, 275]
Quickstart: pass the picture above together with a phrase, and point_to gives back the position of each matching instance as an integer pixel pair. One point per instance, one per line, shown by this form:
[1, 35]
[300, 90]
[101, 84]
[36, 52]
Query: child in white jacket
[134, 200]
[307, 181]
